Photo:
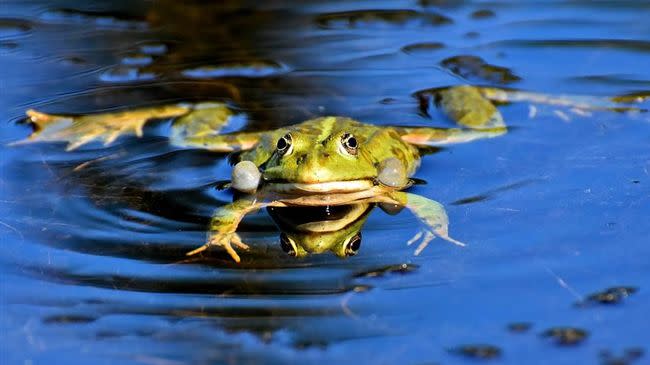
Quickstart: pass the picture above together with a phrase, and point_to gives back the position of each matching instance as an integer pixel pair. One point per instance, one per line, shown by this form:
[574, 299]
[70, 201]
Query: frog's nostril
[301, 159]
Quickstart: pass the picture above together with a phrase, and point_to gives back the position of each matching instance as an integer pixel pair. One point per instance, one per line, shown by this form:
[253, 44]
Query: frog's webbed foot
[225, 240]
[426, 235]
[432, 215]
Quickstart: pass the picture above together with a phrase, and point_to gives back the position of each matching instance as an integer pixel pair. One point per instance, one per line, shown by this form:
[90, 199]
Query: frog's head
[325, 157]
[315, 230]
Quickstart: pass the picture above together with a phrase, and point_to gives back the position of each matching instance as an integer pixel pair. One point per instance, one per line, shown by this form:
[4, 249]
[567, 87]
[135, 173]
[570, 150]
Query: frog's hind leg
[575, 102]
[106, 127]
[215, 142]
[200, 129]
[476, 116]
[197, 125]
[563, 106]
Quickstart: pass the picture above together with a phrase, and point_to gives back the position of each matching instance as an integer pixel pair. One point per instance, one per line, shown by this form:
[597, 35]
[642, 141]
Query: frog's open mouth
[320, 187]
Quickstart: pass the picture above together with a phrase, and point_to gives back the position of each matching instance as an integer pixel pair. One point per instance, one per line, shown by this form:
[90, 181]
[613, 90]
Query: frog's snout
[245, 177]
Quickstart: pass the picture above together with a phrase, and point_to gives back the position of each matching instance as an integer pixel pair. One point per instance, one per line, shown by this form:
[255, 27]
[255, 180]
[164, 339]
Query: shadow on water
[94, 241]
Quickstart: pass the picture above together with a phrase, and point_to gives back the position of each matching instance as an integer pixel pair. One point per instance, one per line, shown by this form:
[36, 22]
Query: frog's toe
[428, 237]
[198, 250]
[236, 240]
[425, 236]
[415, 238]
[231, 251]
[223, 240]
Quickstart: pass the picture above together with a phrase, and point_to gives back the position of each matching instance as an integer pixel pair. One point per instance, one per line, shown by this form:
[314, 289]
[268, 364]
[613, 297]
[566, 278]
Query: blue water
[92, 258]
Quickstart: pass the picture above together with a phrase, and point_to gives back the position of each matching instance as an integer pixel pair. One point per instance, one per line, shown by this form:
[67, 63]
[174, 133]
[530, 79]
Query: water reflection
[310, 230]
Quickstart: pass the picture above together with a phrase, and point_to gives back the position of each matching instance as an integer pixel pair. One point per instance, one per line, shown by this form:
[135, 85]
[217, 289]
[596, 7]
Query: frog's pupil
[284, 143]
[352, 142]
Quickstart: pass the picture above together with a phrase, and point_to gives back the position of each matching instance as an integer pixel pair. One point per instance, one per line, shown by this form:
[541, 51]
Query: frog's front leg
[431, 213]
[223, 226]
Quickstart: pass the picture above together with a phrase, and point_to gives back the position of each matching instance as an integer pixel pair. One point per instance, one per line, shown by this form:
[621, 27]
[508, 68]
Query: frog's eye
[349, 143]
[352, 247]
[284, 145]
[287, 245]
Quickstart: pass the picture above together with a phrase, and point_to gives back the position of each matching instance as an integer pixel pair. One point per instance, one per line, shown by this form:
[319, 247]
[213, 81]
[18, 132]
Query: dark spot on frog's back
[481, 351]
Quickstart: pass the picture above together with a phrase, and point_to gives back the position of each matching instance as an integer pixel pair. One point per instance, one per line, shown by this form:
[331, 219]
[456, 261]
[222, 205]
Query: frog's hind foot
[425, 236]
[225, 240]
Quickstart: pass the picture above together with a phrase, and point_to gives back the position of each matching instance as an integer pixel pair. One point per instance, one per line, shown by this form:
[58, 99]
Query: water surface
[555, 212]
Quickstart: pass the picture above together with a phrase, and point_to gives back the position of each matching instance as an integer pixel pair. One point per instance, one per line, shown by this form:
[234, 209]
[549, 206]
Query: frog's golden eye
[349, 143]
[353, 245]
[284, 145]
[287, 245]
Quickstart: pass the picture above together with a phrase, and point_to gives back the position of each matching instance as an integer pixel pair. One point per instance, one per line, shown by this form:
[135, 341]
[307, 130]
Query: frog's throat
[321, 187]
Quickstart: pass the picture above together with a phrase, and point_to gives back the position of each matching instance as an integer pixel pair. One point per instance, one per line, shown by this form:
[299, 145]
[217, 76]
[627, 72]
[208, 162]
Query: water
[92, 259]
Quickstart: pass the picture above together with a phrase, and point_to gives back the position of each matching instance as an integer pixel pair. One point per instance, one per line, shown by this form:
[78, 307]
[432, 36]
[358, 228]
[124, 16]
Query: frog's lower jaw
[320, 188]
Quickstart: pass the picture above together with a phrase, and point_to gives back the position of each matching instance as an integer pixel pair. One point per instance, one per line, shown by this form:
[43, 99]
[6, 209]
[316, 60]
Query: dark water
[555, 212]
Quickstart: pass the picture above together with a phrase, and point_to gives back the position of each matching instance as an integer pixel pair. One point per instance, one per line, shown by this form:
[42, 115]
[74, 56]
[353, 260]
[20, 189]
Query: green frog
[328, 162]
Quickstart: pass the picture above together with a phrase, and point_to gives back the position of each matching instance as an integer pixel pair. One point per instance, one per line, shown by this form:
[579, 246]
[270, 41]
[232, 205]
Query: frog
[327, 162]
